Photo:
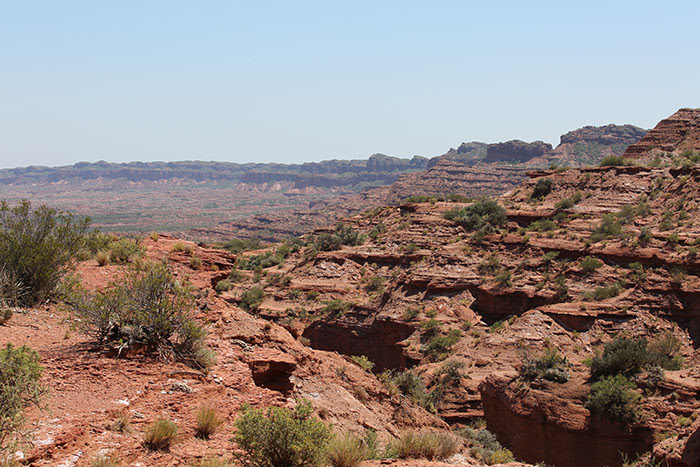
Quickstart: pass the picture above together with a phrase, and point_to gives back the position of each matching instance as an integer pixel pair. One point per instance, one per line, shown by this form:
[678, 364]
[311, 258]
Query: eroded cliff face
[523, 286]
[679, 132]
[516, 151]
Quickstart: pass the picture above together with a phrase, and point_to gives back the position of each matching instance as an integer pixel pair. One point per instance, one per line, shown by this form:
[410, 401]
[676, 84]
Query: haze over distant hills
[220, 199]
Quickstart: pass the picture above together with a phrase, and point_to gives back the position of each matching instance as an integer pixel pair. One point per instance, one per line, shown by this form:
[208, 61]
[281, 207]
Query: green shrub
[609, 161]
[644, 236]
[337, 307]
[603, 293]
[570, 202]
[609, 228]
[412, 386]
[125, 250]
[102, 257]
[182, 247]
[485, 212]
[543, 187]
[374, 285]
[208, 420]
[542, 225]
[420, 199]
[160, 435]
[503, 279]
[622, 356]
[614, 397]
[343, 235]
[425, 445]
[440, 347]
[252, 298]
[484, 446]
[148, 309]
[347, 450]
[364, 362]
[238, 245]
[223, 285]
[5, 314]
[154, 236]
[377, 230]
[196, 263]
[664, 351]
[590, 264]
[38, 246]
[282, 437]
[20, 387]
[549, 365]
[450, 372]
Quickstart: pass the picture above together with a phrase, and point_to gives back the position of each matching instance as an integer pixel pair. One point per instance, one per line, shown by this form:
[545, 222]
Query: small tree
[38, 246]
[281, 437]
[614, 397]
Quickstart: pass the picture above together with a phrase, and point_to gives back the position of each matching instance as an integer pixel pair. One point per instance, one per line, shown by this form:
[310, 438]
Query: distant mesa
[516, 151]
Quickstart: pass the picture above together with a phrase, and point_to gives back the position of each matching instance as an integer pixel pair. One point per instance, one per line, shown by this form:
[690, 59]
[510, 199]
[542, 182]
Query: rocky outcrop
[516, 151]
[555, 428]
[679, 132]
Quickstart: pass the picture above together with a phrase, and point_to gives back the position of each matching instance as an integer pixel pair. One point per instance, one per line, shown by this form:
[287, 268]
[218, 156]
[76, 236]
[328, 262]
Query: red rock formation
[678, 132]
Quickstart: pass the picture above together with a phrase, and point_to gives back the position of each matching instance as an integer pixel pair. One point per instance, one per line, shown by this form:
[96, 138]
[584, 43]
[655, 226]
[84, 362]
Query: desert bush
[374, 285]
[412, 386]
[542, 188]
[570, 202]
[196, 263]
[609, 228]
[102, 257]
[615, 398]
[609, 161]
[603, 293]
[252, 298]
[154, 236]
[208, 421]
[549, 365]
[146, 309]
[377, 230]
[450, 372]
[20, 386]
[364, 362]
[125, 250]
[589, 264]
[621, 356]
[343, 235]
[425, 445]
[5, 314]
[160, 435]
[664, 351]
[484, 446]
[182, 247]
[628, 357]
[223, 285]
[122, 422]
[439, 347]
[542, 225]
[281, 437]
[337, 307]
[238, 245]
[346, 450]
[38, 246]
[484, 212]
[503, 279]
[420, 199]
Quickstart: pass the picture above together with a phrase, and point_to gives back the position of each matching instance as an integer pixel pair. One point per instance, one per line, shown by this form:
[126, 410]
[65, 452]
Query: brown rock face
[516, 151]
[678, 132]
[540, 426]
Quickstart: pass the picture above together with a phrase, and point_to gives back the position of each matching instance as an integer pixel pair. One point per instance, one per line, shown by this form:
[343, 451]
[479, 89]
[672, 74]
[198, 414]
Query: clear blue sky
[299, 81]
